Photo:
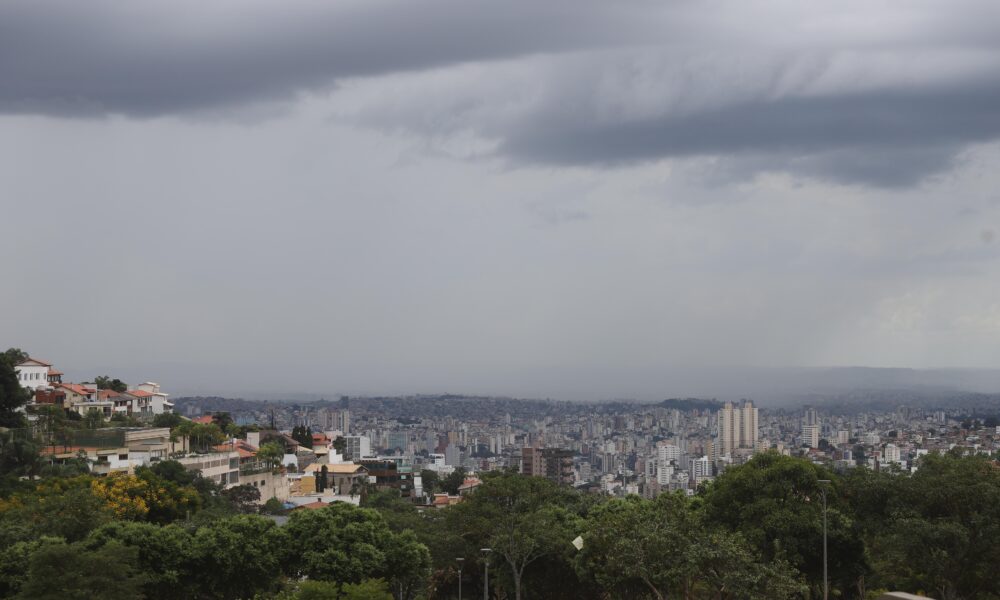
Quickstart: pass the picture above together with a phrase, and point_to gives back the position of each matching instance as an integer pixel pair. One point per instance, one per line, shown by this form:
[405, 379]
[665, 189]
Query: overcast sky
[571, 199]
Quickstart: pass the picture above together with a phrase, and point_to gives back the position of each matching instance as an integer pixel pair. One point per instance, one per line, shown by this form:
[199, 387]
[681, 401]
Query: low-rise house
[156, 401]
[469, 485]
[221, 467]
[444, 500]
[342, 479]
[114, 449]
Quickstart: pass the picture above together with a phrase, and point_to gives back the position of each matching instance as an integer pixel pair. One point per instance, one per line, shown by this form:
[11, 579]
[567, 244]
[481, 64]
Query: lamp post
[459, 561]
[486, 576]
[826, 588]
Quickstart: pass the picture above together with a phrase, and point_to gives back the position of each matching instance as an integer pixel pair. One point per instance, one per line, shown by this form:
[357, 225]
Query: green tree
[103, 382]
[369, 589]
[775, 502]
[12, 395]
[94, 419]
[170, 420]
[14, 356]
[453, 480]
[14, 562]
[430, 480]
[273, 506]
[347, 544]
[239, 557]
[205, 435]
[938, 528]
[72, 572]
[244, 498]
[523, 519]
[164, 556]
[56, 507]
[270, 454]
[318, 590]
[302, 435]
[19, 455]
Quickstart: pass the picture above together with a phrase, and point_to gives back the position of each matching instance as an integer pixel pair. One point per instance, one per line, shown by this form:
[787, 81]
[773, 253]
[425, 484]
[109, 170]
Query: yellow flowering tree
[145, 498]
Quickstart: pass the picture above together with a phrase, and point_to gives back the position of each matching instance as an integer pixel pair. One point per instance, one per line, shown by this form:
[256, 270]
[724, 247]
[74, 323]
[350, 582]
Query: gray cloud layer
[574, 198]
[876, 93]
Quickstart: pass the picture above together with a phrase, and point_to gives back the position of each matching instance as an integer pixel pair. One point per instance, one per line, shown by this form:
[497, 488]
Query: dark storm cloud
[147, 59]
[878, 93]
[885, 138]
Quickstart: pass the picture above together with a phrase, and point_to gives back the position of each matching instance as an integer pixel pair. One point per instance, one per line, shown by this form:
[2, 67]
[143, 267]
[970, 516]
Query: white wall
[31, 376]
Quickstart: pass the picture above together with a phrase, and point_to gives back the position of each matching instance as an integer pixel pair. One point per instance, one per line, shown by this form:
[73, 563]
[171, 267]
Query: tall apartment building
[891, 453]
[531, 462]
[701, 469]
[333, 419]
[811, 427]
[555, 464]
[356, 447]
[667, 453]
[738, 427]
[810, 435]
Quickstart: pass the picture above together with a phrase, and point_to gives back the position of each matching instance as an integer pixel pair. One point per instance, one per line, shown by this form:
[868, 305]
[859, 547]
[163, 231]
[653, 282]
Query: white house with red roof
[144, 400]
[33, 373]
[157, 401]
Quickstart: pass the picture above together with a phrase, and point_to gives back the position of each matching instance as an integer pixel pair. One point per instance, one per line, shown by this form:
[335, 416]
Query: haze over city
[570, 200]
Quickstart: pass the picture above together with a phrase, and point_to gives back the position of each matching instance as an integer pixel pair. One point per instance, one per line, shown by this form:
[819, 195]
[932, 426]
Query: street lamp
[822, 489]
[460, 561]
[486, 577]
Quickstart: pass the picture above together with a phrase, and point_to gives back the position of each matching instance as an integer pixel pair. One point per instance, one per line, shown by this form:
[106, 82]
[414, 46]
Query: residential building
[221, 467]
[810, 435]
[738, 427]
[33, 373]
[357, 447]
[532, 463]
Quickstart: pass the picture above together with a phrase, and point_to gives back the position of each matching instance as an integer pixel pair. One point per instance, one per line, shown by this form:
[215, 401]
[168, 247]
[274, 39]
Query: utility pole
[460, 561]
[486, 577]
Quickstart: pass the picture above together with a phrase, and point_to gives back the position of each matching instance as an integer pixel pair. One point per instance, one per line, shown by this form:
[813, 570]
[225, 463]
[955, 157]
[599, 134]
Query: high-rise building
[333, 419]
[667, 453]
[701, 468]
[554, 463]
[748, 416]
[810, 427]
[810, 435]
[891, 453]
[356, 447]
[737, 427]
[663, 473]
[531, 462]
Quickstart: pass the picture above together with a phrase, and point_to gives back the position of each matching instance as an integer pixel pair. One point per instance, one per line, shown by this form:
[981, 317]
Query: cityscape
[430, 466]
[516, 300]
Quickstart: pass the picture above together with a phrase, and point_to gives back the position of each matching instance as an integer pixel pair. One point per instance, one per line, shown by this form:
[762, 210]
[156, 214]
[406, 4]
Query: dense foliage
[754, 533]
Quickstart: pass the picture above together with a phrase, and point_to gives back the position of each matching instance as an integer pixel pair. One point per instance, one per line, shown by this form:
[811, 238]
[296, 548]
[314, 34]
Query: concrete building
[810, 435]
[33, 373]
[357, 447]
[891, 454]
[531, 462]
[559, 465]
[221, 467]
[738, 427]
